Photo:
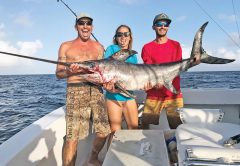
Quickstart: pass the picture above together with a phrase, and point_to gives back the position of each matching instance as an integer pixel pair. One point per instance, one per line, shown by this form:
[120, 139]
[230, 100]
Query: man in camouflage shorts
[83, 99]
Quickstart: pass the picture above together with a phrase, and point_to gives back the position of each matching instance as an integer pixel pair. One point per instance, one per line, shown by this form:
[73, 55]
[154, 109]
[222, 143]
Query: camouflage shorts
[84, 100]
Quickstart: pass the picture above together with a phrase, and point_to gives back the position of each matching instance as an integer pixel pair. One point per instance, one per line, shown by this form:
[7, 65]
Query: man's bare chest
[81, 55]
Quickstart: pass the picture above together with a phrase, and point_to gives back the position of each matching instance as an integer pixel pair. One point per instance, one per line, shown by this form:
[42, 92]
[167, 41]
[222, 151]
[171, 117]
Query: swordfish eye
[92, 65]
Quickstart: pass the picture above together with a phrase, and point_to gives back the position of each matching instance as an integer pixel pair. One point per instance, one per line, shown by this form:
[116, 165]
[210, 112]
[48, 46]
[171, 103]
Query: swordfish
[134, 76]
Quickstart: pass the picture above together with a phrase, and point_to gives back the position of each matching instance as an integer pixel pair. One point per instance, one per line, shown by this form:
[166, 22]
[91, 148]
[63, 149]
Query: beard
[160, 33]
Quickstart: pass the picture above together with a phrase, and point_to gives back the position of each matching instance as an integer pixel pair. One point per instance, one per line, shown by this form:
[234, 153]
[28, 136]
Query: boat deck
[137, 147]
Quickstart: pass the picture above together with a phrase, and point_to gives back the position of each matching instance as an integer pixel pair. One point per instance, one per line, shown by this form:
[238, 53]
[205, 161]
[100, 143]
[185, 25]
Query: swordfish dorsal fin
[123, 54]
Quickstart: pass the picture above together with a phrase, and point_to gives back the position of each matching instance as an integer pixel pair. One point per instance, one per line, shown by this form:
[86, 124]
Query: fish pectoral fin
[123, 91]
[169, 86]
[127, 94]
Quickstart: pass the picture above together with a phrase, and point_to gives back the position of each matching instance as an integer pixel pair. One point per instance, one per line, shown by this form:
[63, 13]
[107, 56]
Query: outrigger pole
[75, 16]
[38, 59]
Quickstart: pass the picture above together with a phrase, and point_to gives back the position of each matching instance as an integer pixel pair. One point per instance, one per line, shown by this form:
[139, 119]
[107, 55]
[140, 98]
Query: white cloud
[234, 41]
[221, 53]
[11, 64]
[35, 1]
[7, 60]
[26, 48]
[186, 51]
[230, 18]
[2, 33]
[29, 48]
[23, 19]
[129, 2]
[2, 26]
[181, 18]
[229, 54]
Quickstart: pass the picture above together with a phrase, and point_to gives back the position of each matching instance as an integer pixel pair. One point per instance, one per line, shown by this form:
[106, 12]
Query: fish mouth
[87, 71]
[86, 68]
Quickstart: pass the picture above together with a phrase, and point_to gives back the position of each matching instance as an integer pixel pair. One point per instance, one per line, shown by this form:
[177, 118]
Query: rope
[236, 19]
[217, 24]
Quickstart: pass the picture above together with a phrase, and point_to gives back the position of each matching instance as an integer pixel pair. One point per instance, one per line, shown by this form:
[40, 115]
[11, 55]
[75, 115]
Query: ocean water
[26, 98]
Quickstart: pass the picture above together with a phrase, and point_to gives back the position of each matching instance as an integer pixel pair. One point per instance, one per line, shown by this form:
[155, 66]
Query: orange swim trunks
[152, 109]
[84, 100]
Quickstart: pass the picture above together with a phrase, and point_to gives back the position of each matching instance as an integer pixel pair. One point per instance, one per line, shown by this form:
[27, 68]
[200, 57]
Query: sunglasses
[161, 23]
[89, 23]
[120, 34]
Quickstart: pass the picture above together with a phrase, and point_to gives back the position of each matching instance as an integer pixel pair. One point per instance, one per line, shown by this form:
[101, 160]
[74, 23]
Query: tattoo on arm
[62, 73]
[62, 59]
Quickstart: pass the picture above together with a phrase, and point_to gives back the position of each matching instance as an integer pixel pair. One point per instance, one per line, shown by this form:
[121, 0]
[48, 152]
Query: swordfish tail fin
[205, 58]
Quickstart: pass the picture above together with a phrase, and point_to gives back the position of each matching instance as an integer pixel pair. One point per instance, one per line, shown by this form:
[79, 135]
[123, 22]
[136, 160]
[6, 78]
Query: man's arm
[147, 60]
[146, 57]
[100, 52]
[62, 71]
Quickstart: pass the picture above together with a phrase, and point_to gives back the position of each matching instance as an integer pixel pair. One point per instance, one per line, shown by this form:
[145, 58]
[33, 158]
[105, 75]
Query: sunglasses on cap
[161, 23]
[84, 23]
[120, 34]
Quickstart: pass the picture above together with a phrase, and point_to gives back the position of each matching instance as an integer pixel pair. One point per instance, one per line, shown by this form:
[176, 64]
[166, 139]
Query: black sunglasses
[120, 34]
[84, 23]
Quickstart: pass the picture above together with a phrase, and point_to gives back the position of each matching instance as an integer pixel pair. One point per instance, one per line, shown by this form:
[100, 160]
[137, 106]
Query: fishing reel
[232, 141]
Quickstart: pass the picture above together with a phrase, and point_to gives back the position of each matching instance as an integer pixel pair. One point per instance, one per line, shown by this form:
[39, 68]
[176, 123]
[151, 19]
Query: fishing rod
[76, 16]
[68, 8]
[38, 59]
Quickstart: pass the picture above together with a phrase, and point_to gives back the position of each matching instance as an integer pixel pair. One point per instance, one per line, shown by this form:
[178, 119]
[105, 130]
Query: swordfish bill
[134, 76]
[121, 56]
[37, 59]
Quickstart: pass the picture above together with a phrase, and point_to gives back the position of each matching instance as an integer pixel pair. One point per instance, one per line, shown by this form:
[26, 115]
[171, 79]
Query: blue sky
[38, 27]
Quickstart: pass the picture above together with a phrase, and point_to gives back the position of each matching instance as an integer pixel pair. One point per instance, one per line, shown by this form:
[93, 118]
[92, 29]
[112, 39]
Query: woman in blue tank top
[118, 104]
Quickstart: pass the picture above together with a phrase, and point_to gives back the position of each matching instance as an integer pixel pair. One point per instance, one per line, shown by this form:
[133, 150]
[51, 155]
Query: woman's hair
[131, 38]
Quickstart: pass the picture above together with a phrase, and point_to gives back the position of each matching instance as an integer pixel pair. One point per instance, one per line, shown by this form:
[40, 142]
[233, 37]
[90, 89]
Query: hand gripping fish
[134, 76]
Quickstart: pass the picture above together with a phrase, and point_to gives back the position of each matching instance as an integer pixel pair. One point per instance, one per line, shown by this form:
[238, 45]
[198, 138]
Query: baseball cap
[161, 16]
[84, 15]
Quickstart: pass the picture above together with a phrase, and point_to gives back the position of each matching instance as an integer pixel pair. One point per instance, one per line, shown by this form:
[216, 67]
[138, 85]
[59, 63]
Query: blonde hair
[131, 38]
